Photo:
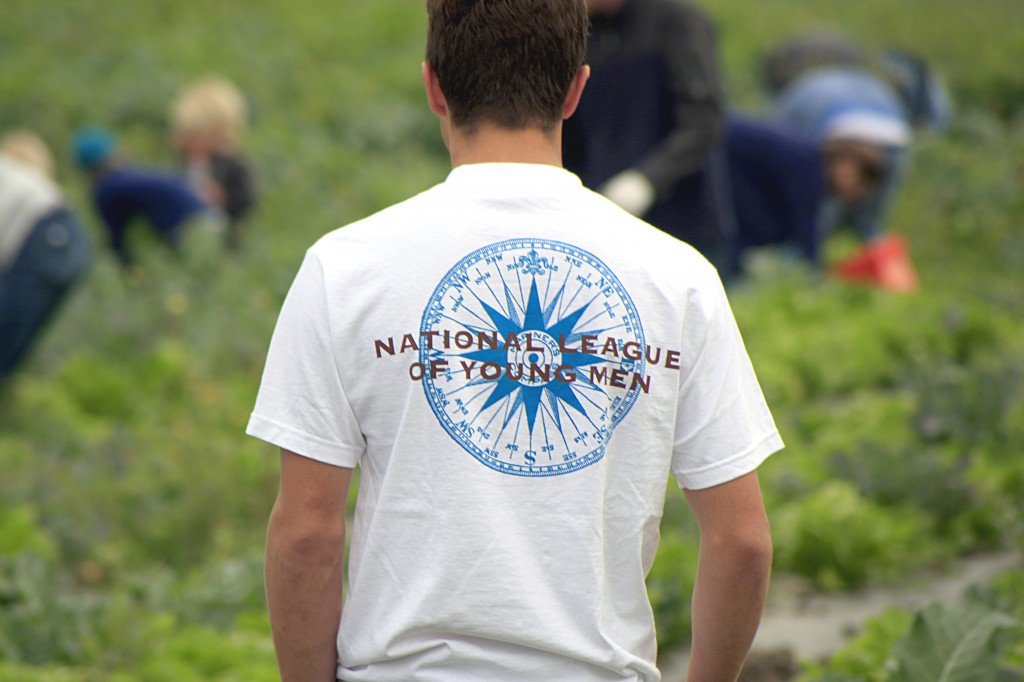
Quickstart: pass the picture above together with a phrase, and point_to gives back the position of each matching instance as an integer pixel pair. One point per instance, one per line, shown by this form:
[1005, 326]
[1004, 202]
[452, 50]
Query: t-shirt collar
[518, 178]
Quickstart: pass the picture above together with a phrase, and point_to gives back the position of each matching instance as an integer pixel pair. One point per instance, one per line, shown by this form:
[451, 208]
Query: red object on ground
[883, 262]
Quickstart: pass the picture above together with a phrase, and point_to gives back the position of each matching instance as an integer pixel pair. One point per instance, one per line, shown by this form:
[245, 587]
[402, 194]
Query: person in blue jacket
[124, 195]
[779, 183]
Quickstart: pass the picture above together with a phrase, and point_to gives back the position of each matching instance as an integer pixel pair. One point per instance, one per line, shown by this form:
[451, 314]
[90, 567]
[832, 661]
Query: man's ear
[572, 98]
[435, 98]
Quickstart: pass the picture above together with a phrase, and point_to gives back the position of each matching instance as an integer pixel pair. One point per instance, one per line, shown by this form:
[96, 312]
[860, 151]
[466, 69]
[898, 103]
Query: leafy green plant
[205, 654]
[41, 620]
[20, 532]
[1005, 594]
[133, 508]
[16, 672]
[954, 644]
[868, 657]
[841, 540]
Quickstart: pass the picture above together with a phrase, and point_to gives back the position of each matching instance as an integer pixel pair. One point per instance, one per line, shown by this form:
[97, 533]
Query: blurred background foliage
[132, 508]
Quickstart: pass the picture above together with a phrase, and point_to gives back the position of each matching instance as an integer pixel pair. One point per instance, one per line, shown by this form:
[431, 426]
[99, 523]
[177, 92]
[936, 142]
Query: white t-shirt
[26, 196]
[516, 365]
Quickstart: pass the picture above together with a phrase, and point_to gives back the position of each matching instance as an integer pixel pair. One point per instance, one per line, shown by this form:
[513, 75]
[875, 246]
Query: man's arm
[115, 219]
[304, 562]
[732, 576]
[695, 88]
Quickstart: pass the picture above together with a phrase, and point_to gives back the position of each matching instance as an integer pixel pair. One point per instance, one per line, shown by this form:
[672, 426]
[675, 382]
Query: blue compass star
[535, 318]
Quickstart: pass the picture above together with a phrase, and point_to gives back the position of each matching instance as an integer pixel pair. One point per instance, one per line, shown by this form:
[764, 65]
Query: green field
[133, 508]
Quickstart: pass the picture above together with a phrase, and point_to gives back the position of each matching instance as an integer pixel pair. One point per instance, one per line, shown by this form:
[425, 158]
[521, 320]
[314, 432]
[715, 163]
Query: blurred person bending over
[862, 128]
[835, 152]
[43, 250]
[648, 128]
[864, 132]
[517, 366]
[787, 188]
[125, 195]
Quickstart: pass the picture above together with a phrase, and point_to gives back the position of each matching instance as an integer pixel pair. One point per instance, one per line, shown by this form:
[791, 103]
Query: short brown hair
[507, 62]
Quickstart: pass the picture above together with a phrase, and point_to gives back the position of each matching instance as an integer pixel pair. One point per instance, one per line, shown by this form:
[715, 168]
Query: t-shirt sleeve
[723, 426]
[302, 405]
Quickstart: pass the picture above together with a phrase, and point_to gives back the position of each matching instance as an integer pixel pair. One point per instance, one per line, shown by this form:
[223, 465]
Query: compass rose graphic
[529, 334]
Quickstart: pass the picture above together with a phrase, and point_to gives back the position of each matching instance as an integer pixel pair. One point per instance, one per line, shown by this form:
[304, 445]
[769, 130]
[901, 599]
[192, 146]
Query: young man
[516, 365]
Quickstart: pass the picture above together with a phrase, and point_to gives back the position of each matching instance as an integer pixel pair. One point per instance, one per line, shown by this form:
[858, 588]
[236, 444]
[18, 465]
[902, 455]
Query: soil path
[813, 625]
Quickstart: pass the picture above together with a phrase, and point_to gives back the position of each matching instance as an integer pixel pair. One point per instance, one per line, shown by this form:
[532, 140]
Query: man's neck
[492, 144]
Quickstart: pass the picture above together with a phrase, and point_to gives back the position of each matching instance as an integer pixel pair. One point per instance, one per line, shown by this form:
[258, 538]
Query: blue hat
[92, 147]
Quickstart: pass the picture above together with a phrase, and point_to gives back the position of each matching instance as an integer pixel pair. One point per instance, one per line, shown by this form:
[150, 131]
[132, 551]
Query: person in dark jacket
[648, 128]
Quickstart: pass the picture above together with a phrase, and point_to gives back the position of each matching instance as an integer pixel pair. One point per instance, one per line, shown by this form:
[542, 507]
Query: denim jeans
[54, 256]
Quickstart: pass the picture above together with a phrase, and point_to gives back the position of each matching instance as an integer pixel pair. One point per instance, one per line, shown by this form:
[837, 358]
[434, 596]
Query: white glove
[631, 190]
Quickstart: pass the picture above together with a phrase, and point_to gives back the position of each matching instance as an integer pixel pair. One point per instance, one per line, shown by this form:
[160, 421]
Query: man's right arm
[732, 576]
[694, 87]
[304, 567]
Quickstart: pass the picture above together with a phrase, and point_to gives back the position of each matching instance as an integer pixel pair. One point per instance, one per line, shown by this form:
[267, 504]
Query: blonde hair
[28, 148]
[212, 108]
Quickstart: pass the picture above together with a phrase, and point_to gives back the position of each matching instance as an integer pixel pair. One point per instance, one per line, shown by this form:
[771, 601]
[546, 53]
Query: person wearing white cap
[864, 133]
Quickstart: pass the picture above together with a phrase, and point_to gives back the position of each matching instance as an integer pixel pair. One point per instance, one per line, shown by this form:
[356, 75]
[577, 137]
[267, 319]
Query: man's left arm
[304, 567]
